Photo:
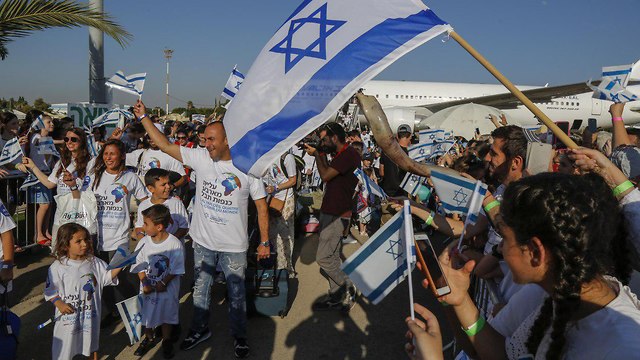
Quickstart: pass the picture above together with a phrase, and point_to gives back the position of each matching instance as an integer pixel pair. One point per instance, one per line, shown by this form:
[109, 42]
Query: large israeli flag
[132, 84]
[11, 151]
[320, 56]
[459, 195]
[233, 84]
[381, 264]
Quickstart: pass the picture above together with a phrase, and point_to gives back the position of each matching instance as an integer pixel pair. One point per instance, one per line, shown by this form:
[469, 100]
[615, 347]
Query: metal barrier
[23, 212]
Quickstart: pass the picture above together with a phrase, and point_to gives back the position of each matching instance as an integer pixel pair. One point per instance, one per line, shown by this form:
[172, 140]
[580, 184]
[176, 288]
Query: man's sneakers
[348, 240]
[350, 298]
[194, 338]
[241, 348]
[344, 299]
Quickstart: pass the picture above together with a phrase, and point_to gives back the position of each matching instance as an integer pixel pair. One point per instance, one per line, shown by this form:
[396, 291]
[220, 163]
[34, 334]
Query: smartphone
[431, 266]
[593, 125]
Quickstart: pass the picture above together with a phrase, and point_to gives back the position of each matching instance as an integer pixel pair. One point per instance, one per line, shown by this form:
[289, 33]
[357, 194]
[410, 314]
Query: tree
[41, 105]
[19, 18]
[189, 105]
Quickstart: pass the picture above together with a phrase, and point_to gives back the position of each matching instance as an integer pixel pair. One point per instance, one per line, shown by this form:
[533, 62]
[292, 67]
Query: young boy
[158, 184]
[159, 265]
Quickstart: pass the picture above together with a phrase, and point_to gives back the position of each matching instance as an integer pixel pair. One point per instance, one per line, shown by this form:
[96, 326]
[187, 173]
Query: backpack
[299, 169]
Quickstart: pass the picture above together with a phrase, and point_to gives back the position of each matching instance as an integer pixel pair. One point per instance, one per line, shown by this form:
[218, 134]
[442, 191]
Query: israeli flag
[113, 117]
[233, 84]
[91, 140]
[47, 147]
[442, 148]
[199, 118]
[412, 183]
[132, 84]
[10, 152]
[370, 188]
[420, 152]
[37, 124]
[122, 257]
[456, 194]
[320, 56]
[613, 86]
[29, 181]
[381, 263]
[131, 313]
[430, 136]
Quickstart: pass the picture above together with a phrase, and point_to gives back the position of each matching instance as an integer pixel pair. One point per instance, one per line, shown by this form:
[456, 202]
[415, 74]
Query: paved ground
[368, 332]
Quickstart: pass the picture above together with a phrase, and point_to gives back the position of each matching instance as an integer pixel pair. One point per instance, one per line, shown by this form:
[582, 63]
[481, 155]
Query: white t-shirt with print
[6, 224]
[276, 176]
[83, 183]
[78, 283]
[158, 260]
[609, 333]
[219, 220]
[153, 159]
[176, 208]
[493, 238]
[114, 197]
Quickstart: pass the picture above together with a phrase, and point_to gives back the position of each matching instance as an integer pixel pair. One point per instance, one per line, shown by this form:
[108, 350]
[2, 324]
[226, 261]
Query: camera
[311, 142]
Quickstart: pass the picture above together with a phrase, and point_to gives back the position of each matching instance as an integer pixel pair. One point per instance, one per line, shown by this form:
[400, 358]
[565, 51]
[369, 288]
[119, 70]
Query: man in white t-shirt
[218, 227]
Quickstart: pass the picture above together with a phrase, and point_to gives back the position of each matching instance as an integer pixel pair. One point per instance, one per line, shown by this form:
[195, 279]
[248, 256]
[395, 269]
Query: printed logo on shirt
[120, 191]
[89, 285]
[4, 211]
[154, 163]
[158, 267]
[86, 181]
[230, 183]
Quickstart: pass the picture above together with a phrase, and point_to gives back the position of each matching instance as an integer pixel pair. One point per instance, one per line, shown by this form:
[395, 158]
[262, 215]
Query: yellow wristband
[491, 205]
[622, 188]
[429, 220]
[475, 327]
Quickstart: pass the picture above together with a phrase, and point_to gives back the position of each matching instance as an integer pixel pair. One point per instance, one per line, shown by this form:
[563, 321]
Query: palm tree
[19, 18]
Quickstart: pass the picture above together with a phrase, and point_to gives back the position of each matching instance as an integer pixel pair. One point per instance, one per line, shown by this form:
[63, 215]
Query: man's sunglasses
[72, 139]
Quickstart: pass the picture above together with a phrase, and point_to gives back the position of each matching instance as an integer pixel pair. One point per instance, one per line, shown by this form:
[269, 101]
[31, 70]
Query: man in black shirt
[390, 173]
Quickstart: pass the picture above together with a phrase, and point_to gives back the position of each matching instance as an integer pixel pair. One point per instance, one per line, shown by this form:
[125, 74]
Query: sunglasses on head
[72, 139]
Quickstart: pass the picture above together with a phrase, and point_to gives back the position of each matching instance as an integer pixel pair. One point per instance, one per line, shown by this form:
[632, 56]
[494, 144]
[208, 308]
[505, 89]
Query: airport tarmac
[367, 332]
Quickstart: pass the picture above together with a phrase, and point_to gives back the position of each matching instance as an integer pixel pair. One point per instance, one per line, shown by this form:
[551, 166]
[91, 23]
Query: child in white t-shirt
[159, 185]
[74, 285]
[159, 265]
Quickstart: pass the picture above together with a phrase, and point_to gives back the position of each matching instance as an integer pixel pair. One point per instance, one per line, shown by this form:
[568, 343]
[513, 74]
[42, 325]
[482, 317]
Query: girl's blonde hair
[64, 236]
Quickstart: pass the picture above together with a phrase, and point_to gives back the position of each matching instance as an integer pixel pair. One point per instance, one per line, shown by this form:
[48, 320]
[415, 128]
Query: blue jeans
[233, 266]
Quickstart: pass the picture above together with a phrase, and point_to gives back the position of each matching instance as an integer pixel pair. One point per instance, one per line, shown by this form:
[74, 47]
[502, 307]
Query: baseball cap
[367, 156]
[627, 159]
[404, 128]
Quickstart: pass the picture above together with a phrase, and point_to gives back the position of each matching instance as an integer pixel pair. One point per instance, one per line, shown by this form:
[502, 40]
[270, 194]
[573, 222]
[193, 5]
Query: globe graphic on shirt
[158, 266]
[120, 191]
[89, 284]
[154, 163]
[230, 183]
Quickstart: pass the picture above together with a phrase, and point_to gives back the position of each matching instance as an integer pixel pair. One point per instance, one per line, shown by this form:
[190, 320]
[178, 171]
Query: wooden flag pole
[557, 132]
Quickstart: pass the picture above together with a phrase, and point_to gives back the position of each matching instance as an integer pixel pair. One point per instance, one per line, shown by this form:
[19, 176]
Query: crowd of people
[561, 246]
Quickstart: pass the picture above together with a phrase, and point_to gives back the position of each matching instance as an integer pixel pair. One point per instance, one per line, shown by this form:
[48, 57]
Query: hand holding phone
[431, 268]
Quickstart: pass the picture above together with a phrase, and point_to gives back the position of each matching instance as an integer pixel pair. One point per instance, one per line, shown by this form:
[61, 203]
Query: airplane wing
[509, 101]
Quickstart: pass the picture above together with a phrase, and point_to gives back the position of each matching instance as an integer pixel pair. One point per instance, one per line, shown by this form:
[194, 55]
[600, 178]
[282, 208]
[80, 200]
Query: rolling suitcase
[267, 289]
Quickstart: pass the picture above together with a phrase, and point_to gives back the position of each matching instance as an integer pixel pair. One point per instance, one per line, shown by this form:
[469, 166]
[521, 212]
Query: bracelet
[142, 117]
[616, 119]
[55, 299]
[429, 220]
[491, 205]
[475, 327]
[622, 188]
[163, 284]
[6, 265]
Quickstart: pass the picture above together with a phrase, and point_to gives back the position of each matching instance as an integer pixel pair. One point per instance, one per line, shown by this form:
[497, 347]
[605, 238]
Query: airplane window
[577, 104]
[396, 96]
[376, 96]
[401, 96]
[562, 103]
[412, 96]
[387, 96]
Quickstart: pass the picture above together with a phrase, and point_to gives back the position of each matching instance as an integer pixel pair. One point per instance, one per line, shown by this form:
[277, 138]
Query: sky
[532, 42]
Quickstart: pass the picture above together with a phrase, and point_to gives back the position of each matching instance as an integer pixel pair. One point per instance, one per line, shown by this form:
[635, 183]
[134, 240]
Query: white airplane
[409, 102]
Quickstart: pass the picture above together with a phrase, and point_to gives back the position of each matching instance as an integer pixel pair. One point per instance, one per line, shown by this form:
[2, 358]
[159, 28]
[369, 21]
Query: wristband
[616, 119]
[53, 301]
[73, 188]
[142, 117]
[6, 266]
[491, 205]
[622, 188]
[163, 284]
[475, 327]
[429, 220]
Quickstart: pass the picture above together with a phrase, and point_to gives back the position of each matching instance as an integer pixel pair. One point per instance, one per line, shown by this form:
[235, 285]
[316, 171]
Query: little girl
[74, 285]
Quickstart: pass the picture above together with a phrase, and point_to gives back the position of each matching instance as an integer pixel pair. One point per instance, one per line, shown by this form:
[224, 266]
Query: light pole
[97, 89]
[167, 55]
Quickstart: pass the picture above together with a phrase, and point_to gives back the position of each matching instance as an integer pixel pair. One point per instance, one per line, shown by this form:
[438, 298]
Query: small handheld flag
[613, 86]
[123, 257]
[456, 193]
[47, 147]
[233, 84]
[112, 117]
[37, 124]
[412, 183]
[132, 84]
[11, 151]
[91, 140]
[131, 313]
[29, 181]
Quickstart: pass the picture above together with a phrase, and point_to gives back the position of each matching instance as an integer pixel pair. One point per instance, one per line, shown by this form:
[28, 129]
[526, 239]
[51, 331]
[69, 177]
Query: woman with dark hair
[10, 128]
[573, 248]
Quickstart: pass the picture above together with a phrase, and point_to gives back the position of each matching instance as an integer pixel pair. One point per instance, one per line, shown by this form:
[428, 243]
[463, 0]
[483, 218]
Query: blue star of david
[137, 318]
[237, 85]
[422, 151]
[460, 197]
[617, 80]
[432, 136]
[615, 97]
[5, 152]
[394, 249]
[326, 28]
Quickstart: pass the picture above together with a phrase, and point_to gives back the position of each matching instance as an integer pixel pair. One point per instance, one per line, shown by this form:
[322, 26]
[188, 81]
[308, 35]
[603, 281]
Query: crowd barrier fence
[21, 209]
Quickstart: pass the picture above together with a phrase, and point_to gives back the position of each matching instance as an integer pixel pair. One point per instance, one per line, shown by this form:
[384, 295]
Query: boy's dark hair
[153, 175]
[136, 128]
[158, 214]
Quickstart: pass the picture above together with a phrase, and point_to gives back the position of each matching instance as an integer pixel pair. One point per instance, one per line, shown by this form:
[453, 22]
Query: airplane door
[596, 106]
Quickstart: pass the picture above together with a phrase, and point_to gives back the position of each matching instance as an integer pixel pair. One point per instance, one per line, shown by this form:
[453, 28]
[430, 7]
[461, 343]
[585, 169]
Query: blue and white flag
[91, 140]
[113, 117]
[370, 188]
[420, 152]
[430, 136]
[131, 313]
[37, 124]
[613, 86]
[122, 257]
[233, 84]
[381, 263]
[132, 84]
[47, 147]
[456, 194]
[11, 151]
[199, 118]
[29, 181]
[442, 148]
[412, 183]
[318, 58]
[431, 143]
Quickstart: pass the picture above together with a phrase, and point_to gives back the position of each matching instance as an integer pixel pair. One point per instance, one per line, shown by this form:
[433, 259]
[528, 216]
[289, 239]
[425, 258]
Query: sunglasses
[72, 139]
[182, 137]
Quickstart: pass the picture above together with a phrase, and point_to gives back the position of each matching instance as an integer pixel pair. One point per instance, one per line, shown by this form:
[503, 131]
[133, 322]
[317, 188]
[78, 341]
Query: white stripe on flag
[455, 192]
[233, 84]
[131, 313]
[303, 76]
[412, 182]
[132, 84]
[11, 151]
